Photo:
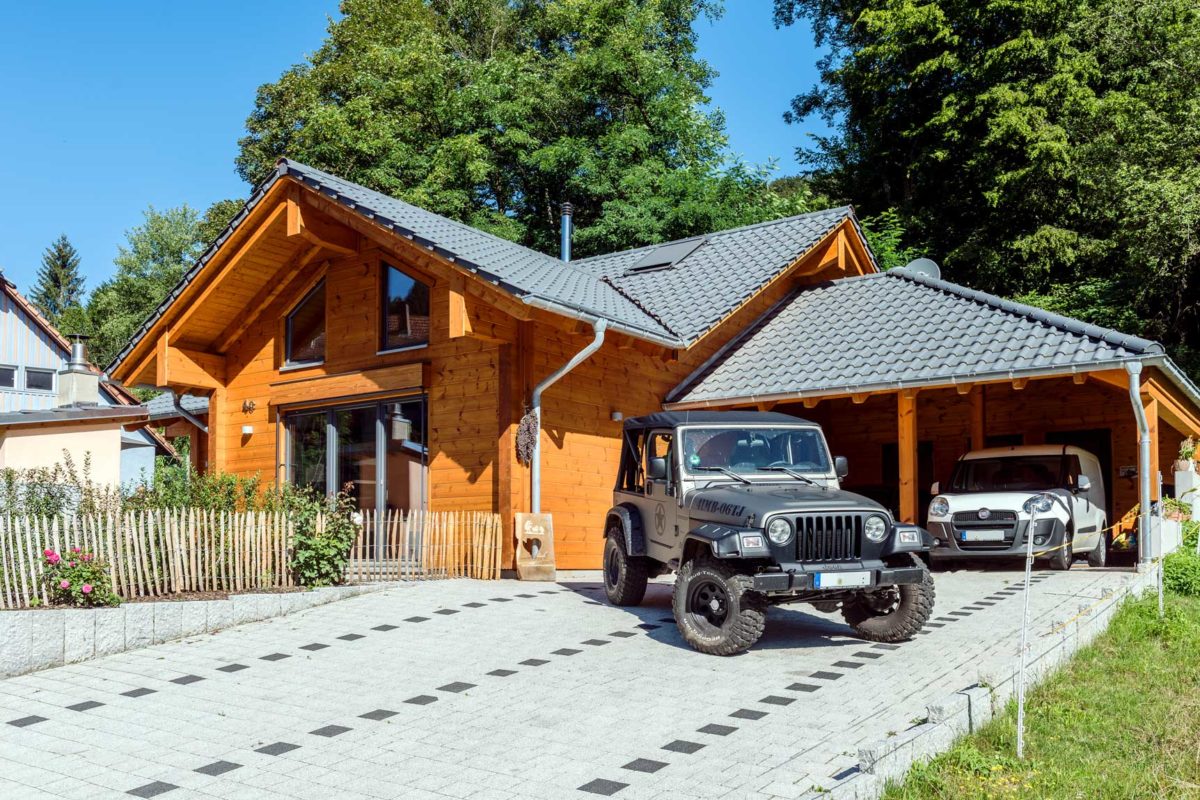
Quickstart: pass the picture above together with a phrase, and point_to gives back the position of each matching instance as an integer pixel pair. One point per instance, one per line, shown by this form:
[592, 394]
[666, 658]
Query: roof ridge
[1107, 335]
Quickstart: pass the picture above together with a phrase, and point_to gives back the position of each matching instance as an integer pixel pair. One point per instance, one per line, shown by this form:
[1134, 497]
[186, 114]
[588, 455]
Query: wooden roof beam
[305, 222]
[265, 297]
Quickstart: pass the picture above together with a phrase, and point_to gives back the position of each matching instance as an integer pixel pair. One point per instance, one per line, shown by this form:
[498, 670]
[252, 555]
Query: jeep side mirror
[936, 488]
[656, 469]
[841, 466]
[1082, 484]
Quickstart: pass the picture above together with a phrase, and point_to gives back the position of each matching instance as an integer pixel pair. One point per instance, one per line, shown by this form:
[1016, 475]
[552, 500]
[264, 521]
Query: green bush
[319, 556]
[1181, 571]
[51, 491]
[1191, 531]
[77, 578]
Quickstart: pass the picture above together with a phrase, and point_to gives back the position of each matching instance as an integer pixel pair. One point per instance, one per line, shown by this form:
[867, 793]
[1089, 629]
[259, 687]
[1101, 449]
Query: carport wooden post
[906, 413]
[978, 412]
[1150, 405]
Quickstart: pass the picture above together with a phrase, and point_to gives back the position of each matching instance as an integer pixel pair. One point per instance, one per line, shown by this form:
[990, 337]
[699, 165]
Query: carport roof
[900, 329]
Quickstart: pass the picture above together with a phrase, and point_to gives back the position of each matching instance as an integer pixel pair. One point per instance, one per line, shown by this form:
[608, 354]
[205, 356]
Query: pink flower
[47, 552]
[53, 558]
[64, 584]
[87, 556]
[74, 549]
[72, 563]
[87, 588]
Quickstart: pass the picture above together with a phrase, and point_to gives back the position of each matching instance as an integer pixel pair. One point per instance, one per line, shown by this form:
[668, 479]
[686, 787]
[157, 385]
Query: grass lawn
[1120, 720]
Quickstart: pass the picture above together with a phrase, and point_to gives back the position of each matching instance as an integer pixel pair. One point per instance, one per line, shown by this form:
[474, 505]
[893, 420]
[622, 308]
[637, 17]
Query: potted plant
[1187, 454]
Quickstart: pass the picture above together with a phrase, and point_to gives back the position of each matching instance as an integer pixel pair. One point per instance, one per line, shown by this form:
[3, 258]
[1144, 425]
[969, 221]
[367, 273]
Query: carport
[906, 372]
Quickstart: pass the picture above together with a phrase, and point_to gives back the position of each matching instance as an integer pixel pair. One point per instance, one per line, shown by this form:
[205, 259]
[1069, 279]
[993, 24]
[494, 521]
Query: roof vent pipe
[568, 212]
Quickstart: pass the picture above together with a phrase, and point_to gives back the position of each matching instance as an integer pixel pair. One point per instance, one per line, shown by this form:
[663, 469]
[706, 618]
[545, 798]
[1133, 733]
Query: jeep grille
[829, 537]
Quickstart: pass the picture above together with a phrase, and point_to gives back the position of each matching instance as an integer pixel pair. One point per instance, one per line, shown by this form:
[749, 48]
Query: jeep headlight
[779, 531]
[939, 507]
[875, 528]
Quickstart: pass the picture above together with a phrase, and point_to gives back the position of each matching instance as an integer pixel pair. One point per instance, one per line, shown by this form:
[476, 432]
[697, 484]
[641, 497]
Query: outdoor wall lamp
[247, 408]
[247, 430]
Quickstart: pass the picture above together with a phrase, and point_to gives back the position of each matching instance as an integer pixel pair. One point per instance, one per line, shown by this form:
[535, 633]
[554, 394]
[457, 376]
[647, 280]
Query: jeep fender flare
[723, 541]
[629, 519]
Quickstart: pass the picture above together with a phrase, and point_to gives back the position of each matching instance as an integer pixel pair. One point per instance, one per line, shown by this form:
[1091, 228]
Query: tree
[59, 285]
[493, 112]
[215, 219]
[1045, 148]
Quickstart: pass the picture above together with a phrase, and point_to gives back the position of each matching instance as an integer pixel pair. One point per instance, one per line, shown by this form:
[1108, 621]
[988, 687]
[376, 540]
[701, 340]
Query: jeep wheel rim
[612, 567]
[708, 604]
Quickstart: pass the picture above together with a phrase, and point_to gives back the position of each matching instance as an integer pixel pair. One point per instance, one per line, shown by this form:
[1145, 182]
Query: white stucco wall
[43, 447]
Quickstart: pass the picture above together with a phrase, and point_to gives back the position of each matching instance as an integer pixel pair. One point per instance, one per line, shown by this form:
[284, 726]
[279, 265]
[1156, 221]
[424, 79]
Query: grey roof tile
[162, 406]
[896, 328]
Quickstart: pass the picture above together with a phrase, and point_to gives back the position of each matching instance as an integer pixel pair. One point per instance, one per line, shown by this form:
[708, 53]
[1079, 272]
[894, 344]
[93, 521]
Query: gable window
[39, 380]
[8, 377]
[405, 312]
[306, 329]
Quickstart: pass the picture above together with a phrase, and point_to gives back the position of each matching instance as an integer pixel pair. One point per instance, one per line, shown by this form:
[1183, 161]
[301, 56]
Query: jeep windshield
[1009, 474]
[752, 450]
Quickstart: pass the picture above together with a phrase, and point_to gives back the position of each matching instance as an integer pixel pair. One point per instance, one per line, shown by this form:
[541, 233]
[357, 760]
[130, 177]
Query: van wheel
[1064, 556]
[893, 613]
[1099, 555]
[715, 609]
[625, 576]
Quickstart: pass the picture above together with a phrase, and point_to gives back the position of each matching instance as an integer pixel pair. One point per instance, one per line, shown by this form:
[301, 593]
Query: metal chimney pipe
[568, 211]
[78, 360]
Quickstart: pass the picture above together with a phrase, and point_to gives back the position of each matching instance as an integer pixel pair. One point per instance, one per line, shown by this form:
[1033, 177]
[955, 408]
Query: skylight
[668, 255]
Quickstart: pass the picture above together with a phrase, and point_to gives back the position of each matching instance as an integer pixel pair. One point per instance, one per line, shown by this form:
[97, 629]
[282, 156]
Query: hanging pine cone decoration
[527, 433]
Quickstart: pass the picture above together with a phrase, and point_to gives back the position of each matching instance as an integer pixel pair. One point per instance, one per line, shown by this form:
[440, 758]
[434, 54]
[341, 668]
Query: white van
[979, 513]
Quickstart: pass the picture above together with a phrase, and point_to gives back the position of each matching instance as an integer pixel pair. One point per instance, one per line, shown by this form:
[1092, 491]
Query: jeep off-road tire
[716, 609]
[1062, 558]
[1099, 555]
[625, 576]
[912, 607]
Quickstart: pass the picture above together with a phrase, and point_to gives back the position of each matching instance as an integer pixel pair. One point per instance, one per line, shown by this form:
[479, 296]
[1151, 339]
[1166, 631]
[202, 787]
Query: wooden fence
[159, 553]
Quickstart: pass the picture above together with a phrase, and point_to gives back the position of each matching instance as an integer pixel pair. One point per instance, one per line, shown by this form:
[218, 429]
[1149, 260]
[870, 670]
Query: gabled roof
[672, 306]
[901, 329]
[9, 288]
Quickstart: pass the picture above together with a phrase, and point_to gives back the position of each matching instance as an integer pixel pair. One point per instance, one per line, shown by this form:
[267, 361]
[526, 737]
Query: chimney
[77, 384]
[567, 211]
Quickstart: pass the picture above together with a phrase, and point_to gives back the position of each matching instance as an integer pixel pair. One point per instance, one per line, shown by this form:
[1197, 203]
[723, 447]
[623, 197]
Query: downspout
[535, 467]
[1134, 368]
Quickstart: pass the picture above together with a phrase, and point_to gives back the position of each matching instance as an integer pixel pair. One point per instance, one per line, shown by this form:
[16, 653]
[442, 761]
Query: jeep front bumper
[803, 577]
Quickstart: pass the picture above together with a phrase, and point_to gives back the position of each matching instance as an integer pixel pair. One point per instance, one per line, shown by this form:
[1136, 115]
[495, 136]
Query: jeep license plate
[983, 536]
[833, 580]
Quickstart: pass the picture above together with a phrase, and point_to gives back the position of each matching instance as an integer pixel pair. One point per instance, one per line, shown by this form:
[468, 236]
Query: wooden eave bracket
[304, 222]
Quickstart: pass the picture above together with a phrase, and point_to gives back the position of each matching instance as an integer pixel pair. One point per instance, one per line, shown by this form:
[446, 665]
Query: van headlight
[939, 507]
[779, 531]
[875, 528]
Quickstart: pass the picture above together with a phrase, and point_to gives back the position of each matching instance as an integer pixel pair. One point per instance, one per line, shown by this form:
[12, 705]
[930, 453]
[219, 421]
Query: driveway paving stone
[518, 691]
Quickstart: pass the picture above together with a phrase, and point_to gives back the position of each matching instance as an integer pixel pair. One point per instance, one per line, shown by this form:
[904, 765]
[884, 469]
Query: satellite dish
[925, 266]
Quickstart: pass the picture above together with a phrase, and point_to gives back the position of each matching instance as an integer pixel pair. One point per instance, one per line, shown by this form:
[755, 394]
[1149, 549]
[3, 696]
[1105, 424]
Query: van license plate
[832, 580]
[983, 536]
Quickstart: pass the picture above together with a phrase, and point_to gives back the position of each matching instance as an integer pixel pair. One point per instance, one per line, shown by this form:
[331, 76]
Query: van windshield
[1009, 474]
[750, 450]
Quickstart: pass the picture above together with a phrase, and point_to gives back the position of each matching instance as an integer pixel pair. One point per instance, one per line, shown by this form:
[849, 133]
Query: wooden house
[345, 338]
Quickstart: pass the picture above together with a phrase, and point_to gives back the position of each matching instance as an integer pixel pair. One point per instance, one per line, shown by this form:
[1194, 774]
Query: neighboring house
[42, 414]
[183, 416]
[346, 338]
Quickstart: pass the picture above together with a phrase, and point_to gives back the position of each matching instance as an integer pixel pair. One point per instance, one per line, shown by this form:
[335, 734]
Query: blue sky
[109, 108]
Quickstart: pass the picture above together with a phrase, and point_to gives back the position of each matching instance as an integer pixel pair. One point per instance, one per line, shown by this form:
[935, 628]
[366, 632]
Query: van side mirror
[656, 469]
[1082, 484]
[936, 488]
[841, 466]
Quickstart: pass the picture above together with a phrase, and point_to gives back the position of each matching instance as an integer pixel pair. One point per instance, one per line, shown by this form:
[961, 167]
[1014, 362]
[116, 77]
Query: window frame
[383, 349]
[53, 381]
[15, 371]
[288, 362]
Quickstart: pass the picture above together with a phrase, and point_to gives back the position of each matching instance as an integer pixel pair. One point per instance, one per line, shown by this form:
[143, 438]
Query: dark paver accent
[961, 613]
[802, 687]
[232, 668]
[776, 700]
[315, 646]
[867, 654]
[548, 591]
[534, 662]
[351, 637]
[683, 746]
[417, 619]
[645, 765]
[946, 619]
[153, 789]
[184, 680]
[847, 664]
[748, 713]
[274, 657]
[421, 700]
[277, 748]
[826, 676]
[603, 787]
[500, 599]
[883, 646]
[378, 714]
[566, 651]
[935, 624]
[329, 731]
[622, 634]
[982, 603]
[527, 596]
[446, 611]
[595, 642]
[384, 628]
[474, 605]
[646, 626]
[717, 730]
[846, 773]
[503, 673]
[217, 768]
[139, 692]
[924, 633]
[456, 687]
[86, 705]
[592, 603]
[25, 722]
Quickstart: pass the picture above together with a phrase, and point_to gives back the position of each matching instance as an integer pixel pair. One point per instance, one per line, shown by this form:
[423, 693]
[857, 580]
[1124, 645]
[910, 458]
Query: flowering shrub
[319, 557]
[77, 578]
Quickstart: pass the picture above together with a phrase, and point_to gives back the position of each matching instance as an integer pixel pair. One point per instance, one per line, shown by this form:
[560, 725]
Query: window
[306, 329]
[39, 380]
[405, 312]
[8, 377]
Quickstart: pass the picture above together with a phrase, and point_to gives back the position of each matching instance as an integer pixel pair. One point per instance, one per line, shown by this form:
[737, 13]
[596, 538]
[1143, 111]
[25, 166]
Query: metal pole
[1134, 368]
[1025, 632]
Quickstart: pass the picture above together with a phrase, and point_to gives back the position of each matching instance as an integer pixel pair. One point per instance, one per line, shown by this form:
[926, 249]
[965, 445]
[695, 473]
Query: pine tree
[59, 285]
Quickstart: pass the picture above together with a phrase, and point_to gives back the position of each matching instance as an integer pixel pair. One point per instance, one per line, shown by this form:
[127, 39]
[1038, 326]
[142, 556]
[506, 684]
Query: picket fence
[165, 552]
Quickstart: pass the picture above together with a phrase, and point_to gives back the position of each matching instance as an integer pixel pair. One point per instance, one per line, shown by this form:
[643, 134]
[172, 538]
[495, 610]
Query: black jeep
[745, 507]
